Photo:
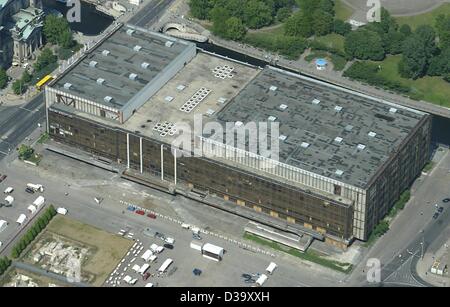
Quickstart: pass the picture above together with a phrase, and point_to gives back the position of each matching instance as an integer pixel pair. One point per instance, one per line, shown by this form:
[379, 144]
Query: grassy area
[427, 18]
[109, 248]
[343, 11]
[400, 204]
[308, 255]
[35, 158]
[432, 89]
[429, 166]
[332, 40]
[43, 138]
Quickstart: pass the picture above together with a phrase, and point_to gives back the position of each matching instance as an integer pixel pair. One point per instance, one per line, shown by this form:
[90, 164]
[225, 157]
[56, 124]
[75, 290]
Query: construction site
[344, 157]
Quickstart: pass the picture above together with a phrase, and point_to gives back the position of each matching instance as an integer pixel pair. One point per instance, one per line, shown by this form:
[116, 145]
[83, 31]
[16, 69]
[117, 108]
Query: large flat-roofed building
[344, 158]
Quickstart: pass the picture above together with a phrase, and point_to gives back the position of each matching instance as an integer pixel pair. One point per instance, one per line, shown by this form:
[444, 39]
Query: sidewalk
[424, 266]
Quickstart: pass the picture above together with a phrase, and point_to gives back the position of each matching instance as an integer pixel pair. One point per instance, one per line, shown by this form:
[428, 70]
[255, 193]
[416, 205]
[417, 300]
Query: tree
[25, 152]
[45, 58]
[3, 78]
[322, 22]
[52, 210]
[219, 16]
[393, 42]
[26, 77]
[299, 25]
[414, 61]
[19, 87]
[235, 28]
[200, 8]
[443, 29]
[341, 27]
[257, 14]
[15, 252]
[364, 44]
[54, 28]
[428, 36]
[440, 64]
[283, 14]
[405, 30]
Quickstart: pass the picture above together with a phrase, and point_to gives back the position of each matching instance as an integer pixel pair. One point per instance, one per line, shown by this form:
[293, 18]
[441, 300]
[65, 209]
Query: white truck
[9, 199]
[39, 202]
[36, 187]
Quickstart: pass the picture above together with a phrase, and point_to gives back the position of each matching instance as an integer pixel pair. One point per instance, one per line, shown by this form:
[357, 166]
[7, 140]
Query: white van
[9, 190]
[272, 266]
[9, 199]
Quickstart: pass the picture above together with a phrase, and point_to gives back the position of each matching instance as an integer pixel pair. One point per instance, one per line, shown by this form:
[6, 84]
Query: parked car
[29, 190]
[151, 215]
[436, 215]
[446, 200]
[246, 276]
[140, 212]
[2, 178]
[146, 276]
[196, 236]
[7, 205]
[168, 246]
[440, 210]
[197, 272]
[131, 208]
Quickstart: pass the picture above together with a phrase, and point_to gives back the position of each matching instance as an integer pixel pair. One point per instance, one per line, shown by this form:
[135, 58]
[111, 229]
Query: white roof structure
[144, 268]
[21, 219]
[9, 199]
[165, 265]
[3, 225]
[272, 266]
[32, 209]
[153, 247]
[62, 211]
[153, 258]
[39, 201]
[146, 256]
[136, 268]
[217, 250]
[261, 280]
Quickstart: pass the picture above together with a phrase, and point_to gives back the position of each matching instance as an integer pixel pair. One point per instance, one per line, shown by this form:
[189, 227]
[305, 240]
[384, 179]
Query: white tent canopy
[21, 219]
[3, 225]
[146, 256]
[32, 209]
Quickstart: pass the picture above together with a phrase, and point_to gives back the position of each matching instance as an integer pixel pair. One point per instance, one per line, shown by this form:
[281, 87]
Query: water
[92, 23]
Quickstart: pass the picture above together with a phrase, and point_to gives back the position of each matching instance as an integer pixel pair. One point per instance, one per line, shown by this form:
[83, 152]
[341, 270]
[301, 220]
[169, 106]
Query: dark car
[446, 200]
[246, 276]
[29, 190]
[197, 272]
[196, 236]
[440, 210]
[7, 205]
[436, 215]
[151, 215]
[146, 276]
[3, 178]
[168, 246]
[250, 281]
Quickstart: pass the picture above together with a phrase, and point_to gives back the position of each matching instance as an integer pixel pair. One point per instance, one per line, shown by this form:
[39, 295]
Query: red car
[151, 215]
[2, 178]
[146, 276]
[140, 212]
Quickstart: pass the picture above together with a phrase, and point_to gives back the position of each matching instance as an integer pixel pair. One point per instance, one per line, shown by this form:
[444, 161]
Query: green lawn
[308, 255]
[432, 89]
[343, 11]
[332, 40]
[428, 18]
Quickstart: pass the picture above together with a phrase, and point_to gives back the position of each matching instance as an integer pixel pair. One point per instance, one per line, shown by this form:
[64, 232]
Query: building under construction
[344, 158]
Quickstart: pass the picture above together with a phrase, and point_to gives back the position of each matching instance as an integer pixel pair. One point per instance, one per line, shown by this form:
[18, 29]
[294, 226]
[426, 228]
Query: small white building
[22, 218]
[9, 199]
[146, 256]
[32, 209]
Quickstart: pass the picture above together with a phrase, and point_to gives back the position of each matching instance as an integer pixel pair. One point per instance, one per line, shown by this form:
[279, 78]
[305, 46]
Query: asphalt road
[19, 123]
[148, 13]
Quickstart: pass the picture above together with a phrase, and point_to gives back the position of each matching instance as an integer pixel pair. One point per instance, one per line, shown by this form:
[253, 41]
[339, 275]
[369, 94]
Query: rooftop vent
[145, 65]
[361, 146]
[137, 48]
[304, 145]
[273, 88]
[67, 85]
[339, 172]
[130, 32]
[283, 106]
[271, 118]
[210, 112]
[238, 123]
[316, 101]
[392, 110]
[372, 134]
[93, 64]
[338, 108]
[169, 44]
[348, 128]
[106, 52]
[100, 81]
[282, 137]
[181, 87]
[168, 98]
[338, 139]
[132, 76]
[108, 98]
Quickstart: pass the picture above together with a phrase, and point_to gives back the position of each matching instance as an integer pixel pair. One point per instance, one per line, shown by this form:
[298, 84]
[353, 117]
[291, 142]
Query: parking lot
[11, 212]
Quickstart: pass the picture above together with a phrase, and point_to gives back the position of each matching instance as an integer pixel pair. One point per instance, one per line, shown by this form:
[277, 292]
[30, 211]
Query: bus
[212, 252]
[43, 81]
[165, 265]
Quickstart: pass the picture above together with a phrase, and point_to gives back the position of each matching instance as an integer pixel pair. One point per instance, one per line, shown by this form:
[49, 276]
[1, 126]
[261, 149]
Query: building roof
[121, 66]
[324, 129]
